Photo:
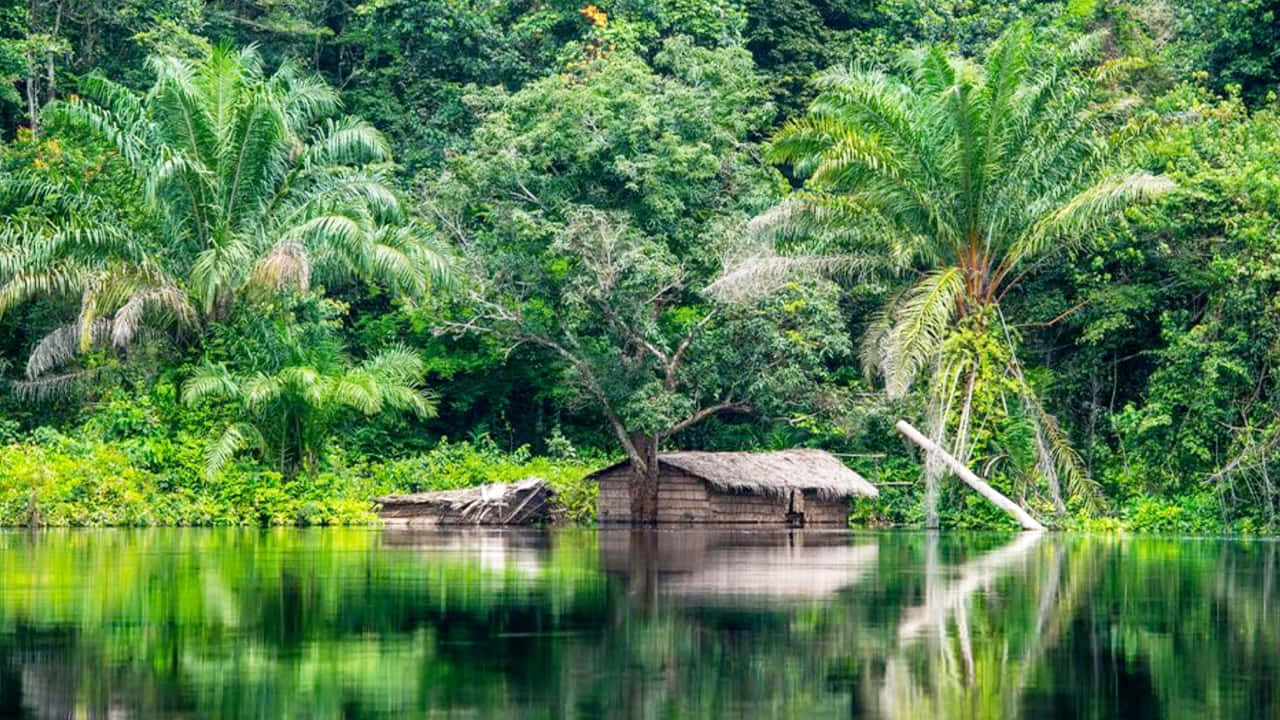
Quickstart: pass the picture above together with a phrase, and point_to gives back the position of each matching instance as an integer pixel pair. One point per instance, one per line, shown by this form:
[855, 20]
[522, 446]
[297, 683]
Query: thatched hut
[791, 487]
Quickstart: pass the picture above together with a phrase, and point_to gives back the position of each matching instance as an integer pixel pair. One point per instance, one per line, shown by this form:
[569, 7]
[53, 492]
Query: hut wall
[682, 498]
[759, 509]
[614, 502]
[826, 512]
[766, 510]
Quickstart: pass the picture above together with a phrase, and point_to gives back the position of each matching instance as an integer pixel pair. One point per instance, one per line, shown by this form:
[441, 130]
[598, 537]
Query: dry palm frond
[49, 388]
[167, 302]
[63, 345]
[754, 277]
[286, 266]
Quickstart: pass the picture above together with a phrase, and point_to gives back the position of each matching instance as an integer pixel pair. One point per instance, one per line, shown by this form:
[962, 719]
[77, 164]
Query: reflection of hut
[501, 551]
[796, 487]
[721, 567]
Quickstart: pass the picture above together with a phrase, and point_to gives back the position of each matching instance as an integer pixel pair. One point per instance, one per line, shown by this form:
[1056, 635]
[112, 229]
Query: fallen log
[984, 489]
[521, 503]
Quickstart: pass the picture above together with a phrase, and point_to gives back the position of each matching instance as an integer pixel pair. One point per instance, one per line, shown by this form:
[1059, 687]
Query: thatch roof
[769, 473]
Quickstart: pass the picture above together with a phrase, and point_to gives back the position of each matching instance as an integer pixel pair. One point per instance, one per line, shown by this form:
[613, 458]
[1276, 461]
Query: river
[374, 623]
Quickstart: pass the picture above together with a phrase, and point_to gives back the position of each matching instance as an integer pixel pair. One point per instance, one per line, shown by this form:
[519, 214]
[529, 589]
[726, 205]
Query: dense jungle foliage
[262, 261]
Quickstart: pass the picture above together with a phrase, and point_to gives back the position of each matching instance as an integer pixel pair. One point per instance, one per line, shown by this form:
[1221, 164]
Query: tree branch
[704, 413]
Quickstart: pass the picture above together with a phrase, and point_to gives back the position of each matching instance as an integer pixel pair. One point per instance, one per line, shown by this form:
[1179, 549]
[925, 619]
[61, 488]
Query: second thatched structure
[792, 487]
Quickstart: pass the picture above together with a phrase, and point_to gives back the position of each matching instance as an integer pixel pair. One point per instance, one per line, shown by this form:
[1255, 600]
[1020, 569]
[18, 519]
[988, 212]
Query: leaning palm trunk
[967, 177]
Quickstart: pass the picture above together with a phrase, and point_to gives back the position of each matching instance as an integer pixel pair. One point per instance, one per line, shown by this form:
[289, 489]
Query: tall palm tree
[968, 177]
[257, 183]
[287, 413]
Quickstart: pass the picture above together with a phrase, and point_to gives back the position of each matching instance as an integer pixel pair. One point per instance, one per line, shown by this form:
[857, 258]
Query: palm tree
[257, 184]
[968, 177]
[289, 412]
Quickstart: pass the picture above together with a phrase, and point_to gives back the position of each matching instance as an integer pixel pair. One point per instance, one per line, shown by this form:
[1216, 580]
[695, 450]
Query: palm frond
[169, 304]
[287, 265]
[211, 383]
[219, 270]
[25, 286]
[63, 345]
[118, 118]
[419, 403]
[1084, 212]
[396, 365]
[50, 388]
[255, 158]
[920, 326]
[234, 439]
[359, 390]
[261, 390]
[751, 278]
[347, 142]
[1059, 457]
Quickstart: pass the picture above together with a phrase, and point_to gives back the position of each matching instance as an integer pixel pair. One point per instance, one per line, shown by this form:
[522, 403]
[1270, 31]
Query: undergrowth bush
[109, 475]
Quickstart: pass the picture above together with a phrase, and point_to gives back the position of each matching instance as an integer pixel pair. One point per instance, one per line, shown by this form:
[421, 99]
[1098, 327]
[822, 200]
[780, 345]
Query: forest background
[262, 261]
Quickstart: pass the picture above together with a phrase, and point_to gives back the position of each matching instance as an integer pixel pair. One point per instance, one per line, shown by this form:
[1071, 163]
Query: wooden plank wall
[826, 512]
[614, 501]
[758, 509]
[682, 498]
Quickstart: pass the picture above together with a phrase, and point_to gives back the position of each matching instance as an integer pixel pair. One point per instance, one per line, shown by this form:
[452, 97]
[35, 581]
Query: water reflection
[710, 566]
[633, 624]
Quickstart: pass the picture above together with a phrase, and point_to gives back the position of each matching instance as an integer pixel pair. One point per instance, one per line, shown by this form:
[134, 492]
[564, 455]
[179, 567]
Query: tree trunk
[33, 102]
[644, 481]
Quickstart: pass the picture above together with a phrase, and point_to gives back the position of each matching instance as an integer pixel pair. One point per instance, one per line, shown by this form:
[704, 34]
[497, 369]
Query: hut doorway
[795, 509]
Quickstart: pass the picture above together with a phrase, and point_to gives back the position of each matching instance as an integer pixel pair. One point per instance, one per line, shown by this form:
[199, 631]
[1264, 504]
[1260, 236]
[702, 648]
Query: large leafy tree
[593, 211]
[256, 183]
[966, 177]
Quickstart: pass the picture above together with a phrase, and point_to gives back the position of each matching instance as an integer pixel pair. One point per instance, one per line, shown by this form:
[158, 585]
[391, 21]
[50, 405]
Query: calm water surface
[623, 624]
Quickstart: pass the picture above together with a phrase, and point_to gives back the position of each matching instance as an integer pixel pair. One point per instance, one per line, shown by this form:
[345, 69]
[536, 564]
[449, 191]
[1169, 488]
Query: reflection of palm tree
[988, 681]
[971, 576]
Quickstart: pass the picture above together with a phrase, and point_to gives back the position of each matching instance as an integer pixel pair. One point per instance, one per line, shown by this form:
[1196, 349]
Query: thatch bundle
[520, 503]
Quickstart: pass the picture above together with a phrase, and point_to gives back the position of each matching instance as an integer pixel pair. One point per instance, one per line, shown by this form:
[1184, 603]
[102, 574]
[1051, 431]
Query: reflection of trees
[360, 624]
[286, 624]
[1090, 628]
[978, 657]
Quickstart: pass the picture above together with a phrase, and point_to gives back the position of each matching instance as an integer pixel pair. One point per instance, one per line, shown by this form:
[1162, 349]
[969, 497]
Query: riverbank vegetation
[260, 263]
